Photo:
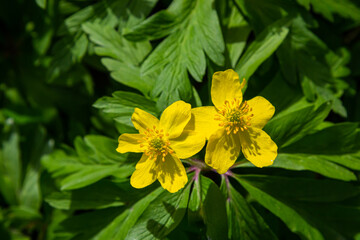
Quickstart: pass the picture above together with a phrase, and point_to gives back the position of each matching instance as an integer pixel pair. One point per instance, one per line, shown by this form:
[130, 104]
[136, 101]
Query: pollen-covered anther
[234, 116]
[156, 144]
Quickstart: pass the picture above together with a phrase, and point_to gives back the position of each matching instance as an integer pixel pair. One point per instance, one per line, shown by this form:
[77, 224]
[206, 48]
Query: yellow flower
[234, 125]
[163, 143]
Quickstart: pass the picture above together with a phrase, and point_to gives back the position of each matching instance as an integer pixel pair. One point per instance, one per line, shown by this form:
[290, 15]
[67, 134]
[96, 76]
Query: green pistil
[234, 116]
[157, 144]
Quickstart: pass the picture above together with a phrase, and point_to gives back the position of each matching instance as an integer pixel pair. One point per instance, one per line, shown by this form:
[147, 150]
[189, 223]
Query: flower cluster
[230, 126]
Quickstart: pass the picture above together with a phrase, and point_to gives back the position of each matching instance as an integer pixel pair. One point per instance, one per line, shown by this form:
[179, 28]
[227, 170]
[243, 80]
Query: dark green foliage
[72, 73]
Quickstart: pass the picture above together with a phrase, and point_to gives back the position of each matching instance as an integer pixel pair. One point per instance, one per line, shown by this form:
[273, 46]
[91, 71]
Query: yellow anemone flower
[234, 125]
[163, 142]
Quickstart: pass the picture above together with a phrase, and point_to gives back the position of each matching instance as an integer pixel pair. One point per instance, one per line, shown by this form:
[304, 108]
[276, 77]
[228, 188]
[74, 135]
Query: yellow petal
[222, 150]
[171, 173]
[258, 147]
[225, 86]
[143, 120]
[187, 144]
[262, 109]
[130, 143]
[175, 118]
[203, 118]
[145, 173]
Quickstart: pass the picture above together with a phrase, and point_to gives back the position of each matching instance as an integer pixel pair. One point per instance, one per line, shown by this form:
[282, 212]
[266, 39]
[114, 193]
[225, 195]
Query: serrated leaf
[129, 75]
[98, 149]
[302, 57]
[90, 166]
[137, 10]
[70, 49]
[104, 12]
[125, 56]
[121, 106]
[184, 50]
[112, 44]
[157, 26]
[67, 52]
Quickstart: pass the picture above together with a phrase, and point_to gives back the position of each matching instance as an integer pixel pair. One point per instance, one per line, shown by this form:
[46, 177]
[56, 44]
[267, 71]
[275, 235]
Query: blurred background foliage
[72, 72]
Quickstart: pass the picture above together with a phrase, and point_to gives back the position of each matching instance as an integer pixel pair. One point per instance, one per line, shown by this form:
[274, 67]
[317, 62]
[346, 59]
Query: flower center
[234, 116]
[156, 143]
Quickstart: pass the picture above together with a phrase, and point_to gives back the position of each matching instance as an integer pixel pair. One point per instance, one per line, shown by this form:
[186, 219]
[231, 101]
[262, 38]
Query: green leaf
[351, 160]
[23, 213]
[99, 149]
[125, 56]
[105, 12]
[136, 12]
[30, 195]
[337, 221]
[129, 75]
[157, 26]
[236, 34]
[337, 139]
[161, 216]
[70, 49]
[307, 206]
[112, 44]
[197, 33]
[303, 189]
[90, 166]
[30, 192]
[41, 3]
[244, 221]
[296, 121]
[10, 164]
[294, 220]
[135, 213]
[121, 106]
[262, 13]
[315, 163]
[205, 200]
[214, 212]
[198, 193]
[302, 57]
[103, 194]
[67, 52]
[90, 174]
[328, 8]
[87, 225]
[262, 48]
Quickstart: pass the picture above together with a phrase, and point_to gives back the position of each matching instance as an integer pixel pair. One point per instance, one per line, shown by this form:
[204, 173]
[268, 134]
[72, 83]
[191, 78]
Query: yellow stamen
[156, 144]
[234, 116]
